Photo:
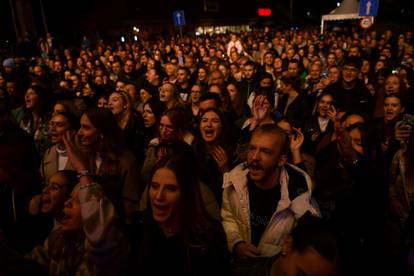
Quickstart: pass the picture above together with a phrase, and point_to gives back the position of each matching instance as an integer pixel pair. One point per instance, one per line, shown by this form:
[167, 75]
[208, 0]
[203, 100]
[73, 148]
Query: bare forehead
[211, 114]
[271, 140]
[115, 96]
[326, 98]
[58, 179]
[59, 118]
[393, 78]
[393, 100]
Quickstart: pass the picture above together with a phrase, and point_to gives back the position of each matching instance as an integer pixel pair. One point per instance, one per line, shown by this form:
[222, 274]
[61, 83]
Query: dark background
[71, 19]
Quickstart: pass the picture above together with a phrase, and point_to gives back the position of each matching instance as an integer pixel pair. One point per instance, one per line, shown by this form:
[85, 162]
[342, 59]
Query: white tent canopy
[349, 9]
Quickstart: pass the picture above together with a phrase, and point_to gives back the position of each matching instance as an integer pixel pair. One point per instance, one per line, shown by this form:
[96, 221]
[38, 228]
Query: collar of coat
[302, 203]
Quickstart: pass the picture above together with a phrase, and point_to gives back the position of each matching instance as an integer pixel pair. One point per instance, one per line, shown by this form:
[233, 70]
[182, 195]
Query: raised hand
[402, 132]
[260, 110]
[75, 155]
[297, 140]
[332, 113]
[220, 156]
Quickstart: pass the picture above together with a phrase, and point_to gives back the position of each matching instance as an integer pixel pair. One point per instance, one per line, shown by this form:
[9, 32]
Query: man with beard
[264, 198]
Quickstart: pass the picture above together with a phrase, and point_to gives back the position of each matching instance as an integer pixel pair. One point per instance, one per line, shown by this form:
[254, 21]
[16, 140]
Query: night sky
[72, 17]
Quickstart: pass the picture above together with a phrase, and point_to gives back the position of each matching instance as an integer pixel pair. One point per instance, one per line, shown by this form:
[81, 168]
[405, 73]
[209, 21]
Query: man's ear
[282, 160]
[287, 245]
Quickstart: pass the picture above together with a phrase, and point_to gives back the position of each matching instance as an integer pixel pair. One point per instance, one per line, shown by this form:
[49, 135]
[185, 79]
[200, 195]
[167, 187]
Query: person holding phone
[401, 199]
[351, 195]
[321, 123]
[390, 130]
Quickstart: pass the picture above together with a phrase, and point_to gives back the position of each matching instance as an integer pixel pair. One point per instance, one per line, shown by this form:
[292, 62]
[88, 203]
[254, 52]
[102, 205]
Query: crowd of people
[280, 152]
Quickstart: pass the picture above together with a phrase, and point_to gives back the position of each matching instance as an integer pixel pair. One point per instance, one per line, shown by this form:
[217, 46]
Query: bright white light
[197, 33]
[308, 13]
[122, 39]
[135, 38]
[338, 4]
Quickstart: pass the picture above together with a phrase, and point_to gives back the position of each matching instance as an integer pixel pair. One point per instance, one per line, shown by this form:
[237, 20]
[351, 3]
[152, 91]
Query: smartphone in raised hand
[404, 127]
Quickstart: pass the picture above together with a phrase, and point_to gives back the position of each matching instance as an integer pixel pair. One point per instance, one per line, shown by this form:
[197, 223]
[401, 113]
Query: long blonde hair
[127, 101]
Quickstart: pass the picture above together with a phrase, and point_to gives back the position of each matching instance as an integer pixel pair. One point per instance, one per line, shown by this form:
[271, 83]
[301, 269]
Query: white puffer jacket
[235, 210]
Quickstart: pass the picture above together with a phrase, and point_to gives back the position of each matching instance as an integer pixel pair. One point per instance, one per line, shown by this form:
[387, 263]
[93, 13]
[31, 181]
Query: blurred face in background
[31, 98]
[334, 74]
[166, 92]
[349, 73]
[232, 89]
[195, 94]
[166, 129]
[324, 104]
[144, 95]
[58, 108]
[149, 116]
[116, 104]
[356, 140]
[392, 84]
[102, 102]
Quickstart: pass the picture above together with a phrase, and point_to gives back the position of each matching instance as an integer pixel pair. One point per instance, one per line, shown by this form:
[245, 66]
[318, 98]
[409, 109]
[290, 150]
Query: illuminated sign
[264, 12]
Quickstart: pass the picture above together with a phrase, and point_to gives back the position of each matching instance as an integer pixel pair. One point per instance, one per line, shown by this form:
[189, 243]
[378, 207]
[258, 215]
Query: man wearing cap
[350, 92]
[9, 67]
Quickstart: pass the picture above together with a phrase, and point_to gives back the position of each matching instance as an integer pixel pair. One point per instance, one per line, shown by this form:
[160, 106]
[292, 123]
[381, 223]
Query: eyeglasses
[166, 127]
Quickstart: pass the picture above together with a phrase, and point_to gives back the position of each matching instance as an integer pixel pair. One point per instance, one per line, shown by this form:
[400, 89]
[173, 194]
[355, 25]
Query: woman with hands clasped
[86, 242]
[214, 150]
